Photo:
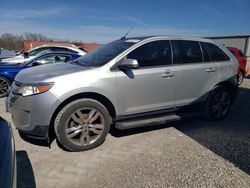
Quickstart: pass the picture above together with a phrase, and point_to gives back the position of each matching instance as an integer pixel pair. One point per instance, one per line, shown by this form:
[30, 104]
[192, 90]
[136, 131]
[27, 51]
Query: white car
[26, 56]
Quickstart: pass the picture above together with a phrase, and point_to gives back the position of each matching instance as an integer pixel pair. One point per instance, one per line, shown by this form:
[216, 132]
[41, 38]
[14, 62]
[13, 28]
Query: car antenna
[124, 37]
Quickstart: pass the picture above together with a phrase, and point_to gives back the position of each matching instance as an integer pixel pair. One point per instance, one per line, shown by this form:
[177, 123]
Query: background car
[26, 56]
[6, 54]
[242, 62]
[9, 71]
[8, 156]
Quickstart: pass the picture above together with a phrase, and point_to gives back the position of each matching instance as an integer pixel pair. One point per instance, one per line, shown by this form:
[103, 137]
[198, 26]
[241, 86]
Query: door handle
[210, 69]
[167, 74]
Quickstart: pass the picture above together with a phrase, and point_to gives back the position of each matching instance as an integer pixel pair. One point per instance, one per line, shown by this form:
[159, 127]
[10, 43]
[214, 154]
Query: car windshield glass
[241, 54]
[37, 51]
[104, 54]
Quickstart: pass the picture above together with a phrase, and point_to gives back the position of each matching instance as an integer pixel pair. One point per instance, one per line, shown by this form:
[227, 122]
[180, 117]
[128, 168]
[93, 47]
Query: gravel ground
[189, 153]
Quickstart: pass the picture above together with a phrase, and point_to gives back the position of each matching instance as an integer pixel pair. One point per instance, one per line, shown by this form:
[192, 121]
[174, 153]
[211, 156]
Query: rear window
[187, 51]
[61, 49]
[217, 53]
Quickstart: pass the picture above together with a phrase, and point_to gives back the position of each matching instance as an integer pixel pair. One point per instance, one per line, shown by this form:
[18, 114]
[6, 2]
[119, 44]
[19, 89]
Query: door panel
[144, 90]
[152, 86]
[194, 82]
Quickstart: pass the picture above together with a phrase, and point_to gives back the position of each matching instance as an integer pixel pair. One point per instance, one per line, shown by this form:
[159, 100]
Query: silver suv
[127, 83]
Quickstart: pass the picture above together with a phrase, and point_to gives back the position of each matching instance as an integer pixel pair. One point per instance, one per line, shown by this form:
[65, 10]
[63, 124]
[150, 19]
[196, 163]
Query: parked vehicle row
[27, 56]
[127, 83]
[9, 71]
[4, 54]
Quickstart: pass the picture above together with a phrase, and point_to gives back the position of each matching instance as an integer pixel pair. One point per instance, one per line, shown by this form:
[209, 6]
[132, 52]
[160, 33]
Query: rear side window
[241, 54]
[206, 54]
[187, 51]
[155, 53]
[217, 53]
[56, 49]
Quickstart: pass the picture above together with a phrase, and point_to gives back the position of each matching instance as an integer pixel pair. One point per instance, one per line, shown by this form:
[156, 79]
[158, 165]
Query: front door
[150, 87]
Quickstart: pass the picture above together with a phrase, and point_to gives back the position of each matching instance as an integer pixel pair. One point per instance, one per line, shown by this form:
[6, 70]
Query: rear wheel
[82, 124]
[4, 87]
[218, 103]
[241, 77]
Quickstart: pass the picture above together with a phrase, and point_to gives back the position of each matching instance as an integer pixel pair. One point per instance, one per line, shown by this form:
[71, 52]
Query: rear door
[197, 73]
[223, 61]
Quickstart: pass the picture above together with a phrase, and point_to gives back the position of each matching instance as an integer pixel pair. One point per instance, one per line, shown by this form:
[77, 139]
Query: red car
[242, 63]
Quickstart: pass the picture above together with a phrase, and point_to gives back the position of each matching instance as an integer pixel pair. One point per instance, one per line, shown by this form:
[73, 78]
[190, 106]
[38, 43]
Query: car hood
[17, 59]
[5, 64]
[46, 72]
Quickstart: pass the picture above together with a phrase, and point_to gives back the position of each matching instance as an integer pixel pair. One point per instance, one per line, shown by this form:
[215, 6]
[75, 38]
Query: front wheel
[82, 125]
[4, 87]
[218, 103]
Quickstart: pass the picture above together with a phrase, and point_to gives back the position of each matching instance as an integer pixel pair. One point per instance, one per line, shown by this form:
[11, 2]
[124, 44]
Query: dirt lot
[189, 153]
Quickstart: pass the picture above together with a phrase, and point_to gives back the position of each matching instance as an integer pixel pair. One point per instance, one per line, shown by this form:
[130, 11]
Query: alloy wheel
[4, 86]
[84, 126]
[220, 103]
[240, 78]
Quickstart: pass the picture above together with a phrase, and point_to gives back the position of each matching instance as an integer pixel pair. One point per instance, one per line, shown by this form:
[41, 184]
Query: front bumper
[32, 114]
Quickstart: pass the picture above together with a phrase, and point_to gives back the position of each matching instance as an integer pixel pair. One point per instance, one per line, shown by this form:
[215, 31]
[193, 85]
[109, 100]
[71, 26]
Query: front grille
[13, 95]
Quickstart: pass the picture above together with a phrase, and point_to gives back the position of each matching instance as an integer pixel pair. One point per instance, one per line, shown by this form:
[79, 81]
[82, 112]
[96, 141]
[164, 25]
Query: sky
[102, 21]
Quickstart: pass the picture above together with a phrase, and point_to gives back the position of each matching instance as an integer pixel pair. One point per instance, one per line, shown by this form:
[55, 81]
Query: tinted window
[217, 53]
[241, 54]
[51, 59]
[61, 49]
[187, 51]
[152, 54]
[205, 51]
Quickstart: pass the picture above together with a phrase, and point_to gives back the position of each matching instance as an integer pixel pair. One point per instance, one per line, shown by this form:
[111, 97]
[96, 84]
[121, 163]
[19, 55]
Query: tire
[4, 86]
[218, 103]
[241, 77]
[82, 124]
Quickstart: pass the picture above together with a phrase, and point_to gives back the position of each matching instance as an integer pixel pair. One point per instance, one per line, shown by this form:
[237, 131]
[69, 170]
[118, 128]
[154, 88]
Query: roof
[229, 36]
[170, 37]
[56, 52]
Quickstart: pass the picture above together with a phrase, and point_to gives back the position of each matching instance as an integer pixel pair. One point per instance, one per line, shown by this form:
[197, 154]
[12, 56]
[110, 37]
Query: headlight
[27, 90]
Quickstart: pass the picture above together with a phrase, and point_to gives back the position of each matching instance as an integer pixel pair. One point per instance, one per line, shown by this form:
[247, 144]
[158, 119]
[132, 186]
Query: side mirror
[129, 64]
[25, 54]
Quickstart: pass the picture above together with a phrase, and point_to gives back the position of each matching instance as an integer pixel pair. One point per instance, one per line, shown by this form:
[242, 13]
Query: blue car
[9, 71]
[8, 156]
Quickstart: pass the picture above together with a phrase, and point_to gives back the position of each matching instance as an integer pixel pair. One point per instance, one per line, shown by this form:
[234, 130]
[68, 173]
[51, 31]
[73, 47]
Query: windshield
[104, 54]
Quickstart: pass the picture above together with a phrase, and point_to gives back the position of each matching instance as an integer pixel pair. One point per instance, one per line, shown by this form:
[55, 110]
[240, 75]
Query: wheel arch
[92, 95]
[229, 85]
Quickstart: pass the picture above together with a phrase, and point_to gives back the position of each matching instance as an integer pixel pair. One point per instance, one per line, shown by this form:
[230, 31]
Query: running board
[147, 122]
